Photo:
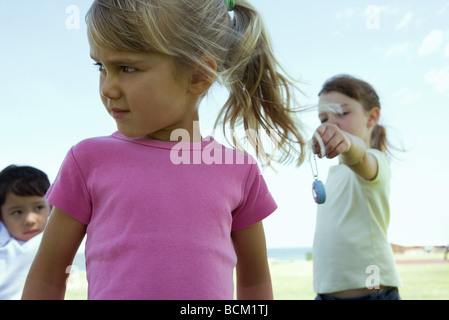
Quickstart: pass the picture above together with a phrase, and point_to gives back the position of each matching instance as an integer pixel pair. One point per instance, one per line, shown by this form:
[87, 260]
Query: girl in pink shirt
[166, 219]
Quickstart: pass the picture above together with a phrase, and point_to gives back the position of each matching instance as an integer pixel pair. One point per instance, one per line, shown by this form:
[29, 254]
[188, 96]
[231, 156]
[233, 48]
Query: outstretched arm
[253, 273]
[351, 149]
[61, 239]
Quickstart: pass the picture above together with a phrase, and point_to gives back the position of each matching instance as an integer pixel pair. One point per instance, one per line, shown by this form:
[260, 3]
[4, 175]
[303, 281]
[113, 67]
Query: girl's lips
[118, 113]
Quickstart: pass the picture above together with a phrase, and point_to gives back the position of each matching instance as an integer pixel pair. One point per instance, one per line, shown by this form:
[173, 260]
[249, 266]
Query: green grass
[424, 281]
[292, 280]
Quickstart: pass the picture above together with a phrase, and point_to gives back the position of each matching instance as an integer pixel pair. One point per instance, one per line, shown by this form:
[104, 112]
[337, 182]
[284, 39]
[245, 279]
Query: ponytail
[195, 31]
[260, 97]
[379, 138]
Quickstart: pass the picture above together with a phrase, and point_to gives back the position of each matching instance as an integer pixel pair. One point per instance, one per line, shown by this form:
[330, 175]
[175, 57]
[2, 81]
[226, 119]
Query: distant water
[284, 254]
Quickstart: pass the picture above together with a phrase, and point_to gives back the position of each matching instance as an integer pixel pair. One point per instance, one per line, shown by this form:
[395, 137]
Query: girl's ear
[374, 115]
[203, 76]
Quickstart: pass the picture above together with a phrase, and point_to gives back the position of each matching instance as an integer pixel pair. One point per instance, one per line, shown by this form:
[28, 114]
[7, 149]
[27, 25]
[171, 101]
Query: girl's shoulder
[92, 150]
[94, 142]
[96, 146]
[383, 166]
[381, 157]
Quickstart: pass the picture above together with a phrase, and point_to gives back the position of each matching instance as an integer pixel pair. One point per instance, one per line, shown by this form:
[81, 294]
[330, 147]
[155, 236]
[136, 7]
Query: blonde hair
[189, 30]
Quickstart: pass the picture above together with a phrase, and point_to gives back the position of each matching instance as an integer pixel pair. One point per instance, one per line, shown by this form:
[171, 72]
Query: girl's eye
[99, 66]
[128, 69]
[16, 213]
[323, 120]
[124, 68]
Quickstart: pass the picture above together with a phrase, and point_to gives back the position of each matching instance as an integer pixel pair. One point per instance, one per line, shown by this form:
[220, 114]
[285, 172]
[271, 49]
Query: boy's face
[24, 217]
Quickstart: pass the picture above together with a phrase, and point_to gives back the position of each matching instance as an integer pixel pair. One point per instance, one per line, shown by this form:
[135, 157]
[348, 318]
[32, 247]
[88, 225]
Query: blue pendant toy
[318, 191]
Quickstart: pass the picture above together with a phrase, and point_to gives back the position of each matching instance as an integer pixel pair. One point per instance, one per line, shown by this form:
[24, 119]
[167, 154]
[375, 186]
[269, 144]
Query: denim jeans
[382, 294]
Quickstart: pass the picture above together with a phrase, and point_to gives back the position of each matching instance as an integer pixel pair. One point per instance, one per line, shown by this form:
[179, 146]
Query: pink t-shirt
[157, 229]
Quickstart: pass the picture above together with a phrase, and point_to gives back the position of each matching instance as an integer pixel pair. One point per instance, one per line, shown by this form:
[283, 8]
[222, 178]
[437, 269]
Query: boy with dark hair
[23, 216]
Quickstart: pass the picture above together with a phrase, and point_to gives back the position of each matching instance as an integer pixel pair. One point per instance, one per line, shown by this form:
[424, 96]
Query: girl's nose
[109, 88]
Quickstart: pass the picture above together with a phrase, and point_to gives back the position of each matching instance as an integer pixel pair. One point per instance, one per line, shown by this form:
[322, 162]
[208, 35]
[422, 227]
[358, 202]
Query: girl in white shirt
[352, 256]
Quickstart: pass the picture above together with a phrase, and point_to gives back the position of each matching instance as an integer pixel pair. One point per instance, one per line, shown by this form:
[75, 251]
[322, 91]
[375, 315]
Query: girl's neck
[190, 134]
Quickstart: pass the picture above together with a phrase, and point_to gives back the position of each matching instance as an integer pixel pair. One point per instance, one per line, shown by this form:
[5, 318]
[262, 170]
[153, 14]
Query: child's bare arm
[61, 239]
[253, 273]
[351, 149]
[359, 160]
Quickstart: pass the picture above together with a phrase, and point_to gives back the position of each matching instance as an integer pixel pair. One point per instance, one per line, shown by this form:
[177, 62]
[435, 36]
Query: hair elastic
[230, 4]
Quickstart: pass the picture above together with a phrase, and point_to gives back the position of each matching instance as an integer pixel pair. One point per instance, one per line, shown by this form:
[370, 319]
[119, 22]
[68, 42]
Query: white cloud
[397, 49]
[405, 21]
[439, 78]
[431, 42]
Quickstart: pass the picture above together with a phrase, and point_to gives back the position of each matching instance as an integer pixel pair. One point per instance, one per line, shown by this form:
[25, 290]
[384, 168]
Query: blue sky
[49, 96]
